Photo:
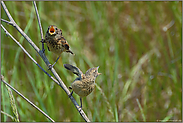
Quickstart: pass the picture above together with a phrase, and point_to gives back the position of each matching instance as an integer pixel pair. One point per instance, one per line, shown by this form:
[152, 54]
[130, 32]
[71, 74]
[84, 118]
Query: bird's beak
[97, 69]
[99, 73]
[52, 30]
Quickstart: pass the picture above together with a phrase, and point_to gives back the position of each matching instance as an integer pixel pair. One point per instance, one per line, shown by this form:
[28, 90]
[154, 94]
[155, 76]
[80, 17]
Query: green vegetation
[140, 61]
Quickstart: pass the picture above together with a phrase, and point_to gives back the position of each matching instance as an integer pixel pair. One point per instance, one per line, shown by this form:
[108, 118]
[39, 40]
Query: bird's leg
[56, 60]
[81, 102]
[70, 94]
[51, 66]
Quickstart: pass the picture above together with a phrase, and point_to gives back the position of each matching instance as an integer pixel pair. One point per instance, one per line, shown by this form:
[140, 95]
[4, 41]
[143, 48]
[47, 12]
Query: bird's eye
[55, 28]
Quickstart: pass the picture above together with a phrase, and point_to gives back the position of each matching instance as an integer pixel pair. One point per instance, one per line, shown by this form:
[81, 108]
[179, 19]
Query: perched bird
[84, 84]
[56, 42]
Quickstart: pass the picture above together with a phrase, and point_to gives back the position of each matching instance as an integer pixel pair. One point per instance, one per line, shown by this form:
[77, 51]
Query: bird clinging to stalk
[84, 84]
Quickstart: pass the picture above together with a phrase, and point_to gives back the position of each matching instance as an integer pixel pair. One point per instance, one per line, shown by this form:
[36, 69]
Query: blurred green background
[138, 46]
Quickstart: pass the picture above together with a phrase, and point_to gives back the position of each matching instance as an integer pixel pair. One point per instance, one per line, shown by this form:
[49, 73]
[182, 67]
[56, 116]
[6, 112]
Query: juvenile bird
[84, 84]
[56, 42]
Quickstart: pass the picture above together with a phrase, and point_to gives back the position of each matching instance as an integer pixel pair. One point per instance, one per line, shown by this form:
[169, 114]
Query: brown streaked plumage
[55, 41]
[85, 83]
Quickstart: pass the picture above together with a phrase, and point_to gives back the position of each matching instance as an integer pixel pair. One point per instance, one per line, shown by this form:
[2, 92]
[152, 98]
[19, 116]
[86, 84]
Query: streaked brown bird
[84, 84]
[55, 41]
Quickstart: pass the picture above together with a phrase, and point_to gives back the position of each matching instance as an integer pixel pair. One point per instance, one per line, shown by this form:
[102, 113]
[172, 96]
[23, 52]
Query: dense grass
[141, 64]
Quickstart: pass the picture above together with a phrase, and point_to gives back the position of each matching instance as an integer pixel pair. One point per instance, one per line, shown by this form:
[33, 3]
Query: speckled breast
[55, 46]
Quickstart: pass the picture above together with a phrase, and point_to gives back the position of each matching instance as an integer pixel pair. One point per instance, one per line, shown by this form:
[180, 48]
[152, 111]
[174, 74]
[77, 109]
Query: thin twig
[39, 22]
[26, 99]
[8, 115]
[61, 83]
[6, 21]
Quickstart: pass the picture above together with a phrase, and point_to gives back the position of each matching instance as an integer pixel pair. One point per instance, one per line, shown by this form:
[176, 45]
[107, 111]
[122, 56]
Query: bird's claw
[43, 41]
[43, 50]
[70, 94]
[50, 67]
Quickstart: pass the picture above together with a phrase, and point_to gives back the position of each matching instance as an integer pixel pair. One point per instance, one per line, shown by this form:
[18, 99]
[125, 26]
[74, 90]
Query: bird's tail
[73, 69]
